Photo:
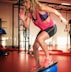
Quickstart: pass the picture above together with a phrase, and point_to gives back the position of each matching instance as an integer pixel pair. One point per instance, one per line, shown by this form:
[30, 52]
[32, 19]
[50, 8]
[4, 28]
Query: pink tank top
[39, 23]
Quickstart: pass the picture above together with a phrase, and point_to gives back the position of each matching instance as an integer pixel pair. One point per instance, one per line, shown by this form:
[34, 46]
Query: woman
[39, 13]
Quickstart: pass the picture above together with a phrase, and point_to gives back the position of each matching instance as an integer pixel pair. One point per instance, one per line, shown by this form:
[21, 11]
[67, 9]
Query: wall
[6, 16]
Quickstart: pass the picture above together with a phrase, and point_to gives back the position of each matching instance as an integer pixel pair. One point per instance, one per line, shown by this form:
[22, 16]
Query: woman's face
[27, 4]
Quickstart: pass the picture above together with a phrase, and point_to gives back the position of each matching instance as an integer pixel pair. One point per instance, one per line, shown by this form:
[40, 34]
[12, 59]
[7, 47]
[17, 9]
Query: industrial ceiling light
[65, 4]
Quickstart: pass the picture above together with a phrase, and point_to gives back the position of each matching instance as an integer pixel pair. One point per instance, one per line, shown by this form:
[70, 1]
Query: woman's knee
[35, 46]
[40, 39]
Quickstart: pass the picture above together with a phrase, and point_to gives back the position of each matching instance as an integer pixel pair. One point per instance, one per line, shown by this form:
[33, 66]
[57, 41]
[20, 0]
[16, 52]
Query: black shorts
[51, 30]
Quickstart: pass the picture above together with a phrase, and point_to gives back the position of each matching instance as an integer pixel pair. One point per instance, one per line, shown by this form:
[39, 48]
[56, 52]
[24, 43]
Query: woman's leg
[36, 54]
[44, 35]
[41, 40]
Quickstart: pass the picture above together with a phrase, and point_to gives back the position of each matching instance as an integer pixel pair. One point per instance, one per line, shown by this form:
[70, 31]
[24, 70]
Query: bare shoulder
[46, 8]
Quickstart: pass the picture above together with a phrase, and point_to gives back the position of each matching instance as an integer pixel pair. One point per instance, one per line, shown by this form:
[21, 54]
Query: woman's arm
[25, 19]
[54, 11]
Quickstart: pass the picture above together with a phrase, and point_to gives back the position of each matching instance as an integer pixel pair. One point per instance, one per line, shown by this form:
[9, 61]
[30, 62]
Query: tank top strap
[37, 14]
[36, 9]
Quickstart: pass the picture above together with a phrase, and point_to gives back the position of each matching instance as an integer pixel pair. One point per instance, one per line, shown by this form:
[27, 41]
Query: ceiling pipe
[55, 4]
[65, 9]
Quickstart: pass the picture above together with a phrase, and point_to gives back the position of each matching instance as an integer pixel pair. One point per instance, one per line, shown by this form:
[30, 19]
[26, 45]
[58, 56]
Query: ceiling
[56, 3]
[8, 1]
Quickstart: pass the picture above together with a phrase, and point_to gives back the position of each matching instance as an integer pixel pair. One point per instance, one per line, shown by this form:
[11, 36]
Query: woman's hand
[23, 15]
[63, 20]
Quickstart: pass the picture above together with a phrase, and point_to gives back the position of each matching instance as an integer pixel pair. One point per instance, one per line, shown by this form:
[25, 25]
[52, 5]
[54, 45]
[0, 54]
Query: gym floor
[23, 62]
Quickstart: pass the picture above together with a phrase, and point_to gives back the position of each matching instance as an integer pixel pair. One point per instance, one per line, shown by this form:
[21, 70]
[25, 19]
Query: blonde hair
[34, 4]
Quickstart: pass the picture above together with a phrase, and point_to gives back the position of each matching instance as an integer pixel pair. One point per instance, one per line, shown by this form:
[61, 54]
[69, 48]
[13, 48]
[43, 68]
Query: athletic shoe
[35, 68]
[47, 62]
